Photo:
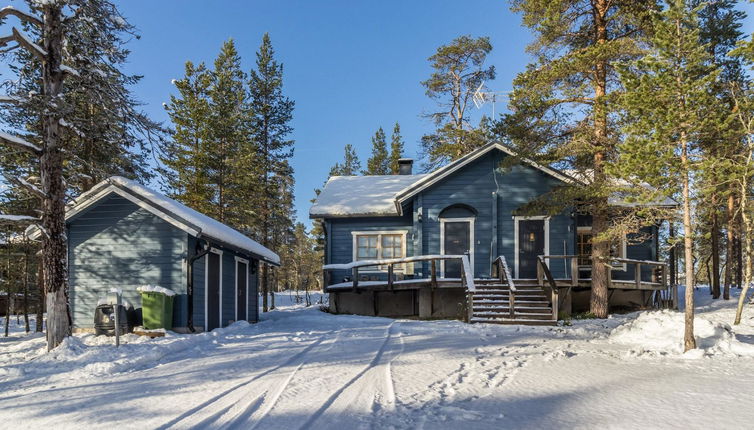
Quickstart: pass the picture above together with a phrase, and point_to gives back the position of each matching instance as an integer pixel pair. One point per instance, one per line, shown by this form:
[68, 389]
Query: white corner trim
[472, 244]
[516, 219]
[378, 233]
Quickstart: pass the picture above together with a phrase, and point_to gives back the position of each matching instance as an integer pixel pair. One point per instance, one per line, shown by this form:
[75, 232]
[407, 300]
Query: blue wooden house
[124, 235]
[424, 229]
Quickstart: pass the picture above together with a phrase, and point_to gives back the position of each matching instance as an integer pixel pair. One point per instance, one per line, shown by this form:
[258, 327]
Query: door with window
[531, 244]
[456, 240]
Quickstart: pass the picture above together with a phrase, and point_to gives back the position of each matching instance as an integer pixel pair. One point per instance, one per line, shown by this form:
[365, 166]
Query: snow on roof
[616, 199]
[175, 212]
[361, 195]
[209, 226]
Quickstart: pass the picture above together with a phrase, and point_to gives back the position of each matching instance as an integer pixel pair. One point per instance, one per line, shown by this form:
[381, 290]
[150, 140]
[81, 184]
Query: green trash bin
[156, 310]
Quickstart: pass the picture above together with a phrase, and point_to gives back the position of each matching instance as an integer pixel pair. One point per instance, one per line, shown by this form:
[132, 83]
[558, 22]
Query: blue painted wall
[117, 244]
[473, 186]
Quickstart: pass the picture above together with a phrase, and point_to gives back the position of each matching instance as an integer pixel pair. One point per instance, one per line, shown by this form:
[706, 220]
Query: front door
[213, 291]
[531, 244]
[456, 241]
[242, 272]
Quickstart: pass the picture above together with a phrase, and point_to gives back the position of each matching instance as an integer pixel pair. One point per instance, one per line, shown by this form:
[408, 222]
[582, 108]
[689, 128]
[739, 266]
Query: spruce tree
[562, 110]
[227, 131]
[396, 149]
[186, 154]
[669, 94]
[378, 163]
[458, 71]
[271, 113]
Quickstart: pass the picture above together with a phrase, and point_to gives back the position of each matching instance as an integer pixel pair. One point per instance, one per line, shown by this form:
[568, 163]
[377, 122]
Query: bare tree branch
[23, 16]
[28, 186]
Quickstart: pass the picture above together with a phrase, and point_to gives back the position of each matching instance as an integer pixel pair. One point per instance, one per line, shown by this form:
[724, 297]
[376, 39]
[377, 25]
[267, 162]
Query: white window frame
[403, 268]
[472, 244]
[239, 262]
[206, 284]
[516, 219]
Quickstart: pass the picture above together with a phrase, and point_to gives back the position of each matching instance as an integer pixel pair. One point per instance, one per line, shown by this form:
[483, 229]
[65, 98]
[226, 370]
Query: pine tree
[378, 163]
[186, 155]
[458, 71]
[64, 46]
[270, 127]
[396, 149]
[350, 166]
[561, 109]
[668, 96]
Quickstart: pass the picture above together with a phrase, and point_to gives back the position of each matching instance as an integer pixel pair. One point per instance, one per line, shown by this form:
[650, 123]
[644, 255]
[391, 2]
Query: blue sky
[351, 66]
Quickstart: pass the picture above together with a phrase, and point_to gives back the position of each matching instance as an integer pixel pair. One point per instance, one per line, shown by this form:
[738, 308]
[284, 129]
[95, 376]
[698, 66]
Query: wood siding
[117, 244]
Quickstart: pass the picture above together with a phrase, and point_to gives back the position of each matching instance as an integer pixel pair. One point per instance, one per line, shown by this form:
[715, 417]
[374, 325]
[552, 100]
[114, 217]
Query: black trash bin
[104, 320]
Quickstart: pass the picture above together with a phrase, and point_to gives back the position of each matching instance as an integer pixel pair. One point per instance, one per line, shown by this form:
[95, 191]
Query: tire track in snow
[211, 401]
[242, 419]
[335, 395]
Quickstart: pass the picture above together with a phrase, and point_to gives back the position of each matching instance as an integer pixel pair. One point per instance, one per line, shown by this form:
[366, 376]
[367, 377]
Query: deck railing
[467, 275]
[666, 295]
[501, 271]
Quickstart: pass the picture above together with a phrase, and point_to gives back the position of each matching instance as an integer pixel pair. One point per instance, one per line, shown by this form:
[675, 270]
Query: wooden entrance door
[242, 274]
[531, 244]
[213, 291]
[456, 241]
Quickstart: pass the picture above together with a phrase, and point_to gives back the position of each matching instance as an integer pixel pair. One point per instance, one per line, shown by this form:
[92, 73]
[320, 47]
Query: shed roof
[172, 211]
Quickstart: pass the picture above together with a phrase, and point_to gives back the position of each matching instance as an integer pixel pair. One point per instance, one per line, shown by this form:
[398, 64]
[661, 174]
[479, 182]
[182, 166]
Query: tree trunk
[26, 288]
[739, 255]
[41, 299]
[730, 234]
[748, 236]
[688, 247]
[715, 245]
[600, 247]
[51, 177]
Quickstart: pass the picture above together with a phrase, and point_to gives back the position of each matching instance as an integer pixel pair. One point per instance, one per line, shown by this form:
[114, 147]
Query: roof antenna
[482, 95]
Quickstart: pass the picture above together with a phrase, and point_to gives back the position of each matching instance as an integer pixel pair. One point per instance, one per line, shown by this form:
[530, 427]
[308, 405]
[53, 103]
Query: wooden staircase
[500, 301]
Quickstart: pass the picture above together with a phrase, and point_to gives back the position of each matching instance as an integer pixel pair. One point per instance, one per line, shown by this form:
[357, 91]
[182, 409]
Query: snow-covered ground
[303, 368]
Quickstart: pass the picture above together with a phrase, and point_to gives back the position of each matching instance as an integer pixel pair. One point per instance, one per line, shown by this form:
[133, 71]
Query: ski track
[337, 393]
[234, 389]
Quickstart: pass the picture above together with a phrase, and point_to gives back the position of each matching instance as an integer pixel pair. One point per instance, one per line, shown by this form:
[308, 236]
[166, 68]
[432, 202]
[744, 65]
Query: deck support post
[390, 276]
[637, 275]
[574, 271]
[425, 303]
[434, 274]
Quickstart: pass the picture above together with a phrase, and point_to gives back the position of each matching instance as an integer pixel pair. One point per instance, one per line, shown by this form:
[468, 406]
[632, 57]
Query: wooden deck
[501, 299]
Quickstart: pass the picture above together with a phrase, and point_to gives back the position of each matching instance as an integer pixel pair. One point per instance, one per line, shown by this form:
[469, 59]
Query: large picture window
[379, 245]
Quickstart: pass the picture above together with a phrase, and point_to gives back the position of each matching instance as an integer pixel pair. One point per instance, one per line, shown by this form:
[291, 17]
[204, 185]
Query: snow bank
[661, 333]
[155, 289]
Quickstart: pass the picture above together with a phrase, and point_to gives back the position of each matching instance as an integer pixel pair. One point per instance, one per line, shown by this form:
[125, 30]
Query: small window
[584, 247]
[378, 246]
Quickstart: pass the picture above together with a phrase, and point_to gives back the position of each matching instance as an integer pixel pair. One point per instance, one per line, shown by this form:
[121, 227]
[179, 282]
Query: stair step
[519, 303]
[516, 321]
[534, 316]
[505, 309]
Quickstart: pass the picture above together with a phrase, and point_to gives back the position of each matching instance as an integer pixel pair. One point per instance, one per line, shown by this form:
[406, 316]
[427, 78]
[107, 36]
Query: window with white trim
[584, 247]
[379, 245]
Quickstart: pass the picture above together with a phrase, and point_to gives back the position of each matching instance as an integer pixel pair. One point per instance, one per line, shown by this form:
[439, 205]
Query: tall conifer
[378, 163]
[396, 149]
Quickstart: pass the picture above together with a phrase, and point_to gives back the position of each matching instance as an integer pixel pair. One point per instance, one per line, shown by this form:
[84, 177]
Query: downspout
[190, 280]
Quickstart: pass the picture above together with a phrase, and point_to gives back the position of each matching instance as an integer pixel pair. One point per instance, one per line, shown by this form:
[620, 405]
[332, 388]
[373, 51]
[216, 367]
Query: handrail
[504, 274]
[543, 272]
[467, 276]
